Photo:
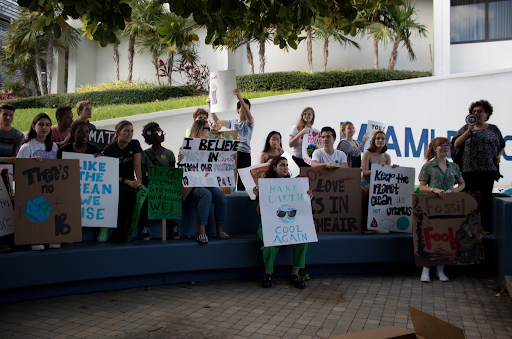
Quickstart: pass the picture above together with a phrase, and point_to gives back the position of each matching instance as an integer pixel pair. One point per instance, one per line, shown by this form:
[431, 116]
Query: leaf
[498, 295]
[63, 25]
[207, 306]
[56, 30]
[286, 286]
[79, 7]
[282, 11]
[325, 283]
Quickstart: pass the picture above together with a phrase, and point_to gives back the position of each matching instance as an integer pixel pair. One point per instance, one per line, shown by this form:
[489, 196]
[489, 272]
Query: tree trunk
[49, 61]
[116, 60]
[261, 52]
[170, 63]
[131, 53]
[23, 70]
[394, 54]
[376, 52]
[250, 60]
[155, 63]
[37, 91]
[37, 61]
[309, 43]
[326, 51]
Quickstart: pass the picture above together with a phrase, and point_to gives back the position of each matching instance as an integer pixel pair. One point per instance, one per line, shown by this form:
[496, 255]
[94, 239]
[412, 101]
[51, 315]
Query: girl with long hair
[306, 121]
[273, 148]
[350, 146]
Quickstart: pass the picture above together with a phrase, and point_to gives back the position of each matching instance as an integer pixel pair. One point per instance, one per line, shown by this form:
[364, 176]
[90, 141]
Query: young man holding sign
[328, 157]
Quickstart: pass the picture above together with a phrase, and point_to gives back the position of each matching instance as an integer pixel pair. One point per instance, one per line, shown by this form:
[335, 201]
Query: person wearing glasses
[439, 176]
[279, 169]
[478, 149]
[205, 196]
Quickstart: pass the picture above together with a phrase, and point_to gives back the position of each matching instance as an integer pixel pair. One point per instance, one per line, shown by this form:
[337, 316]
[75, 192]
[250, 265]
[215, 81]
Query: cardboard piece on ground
[448, 231]
[425, 325]
[6, 211]
[47, 208]
[222, 84]
[100, 137]
[336, 199]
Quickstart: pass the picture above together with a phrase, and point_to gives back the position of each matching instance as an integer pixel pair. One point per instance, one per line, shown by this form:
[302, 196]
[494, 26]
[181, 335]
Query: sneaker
[102, 234]
[55, 246]
[4, 248]
[37, 247]
[425, 275]
[175, 233]
[297, 281]
[440, 274]
[267, 281]
[144, 235]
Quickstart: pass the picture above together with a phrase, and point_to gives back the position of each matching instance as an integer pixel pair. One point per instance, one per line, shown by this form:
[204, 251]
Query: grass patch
[23, 117]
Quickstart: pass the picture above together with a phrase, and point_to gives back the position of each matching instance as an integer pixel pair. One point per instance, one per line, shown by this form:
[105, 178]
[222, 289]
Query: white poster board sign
[99, 189]
[222, 84]
[286, 215]
[372, 127]
[6, 211]
[208, 162]
[10, 174]
[390, 198]
[311, 142]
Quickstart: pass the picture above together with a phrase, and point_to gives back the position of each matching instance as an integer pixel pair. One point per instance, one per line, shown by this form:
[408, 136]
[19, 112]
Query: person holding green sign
[156, 155]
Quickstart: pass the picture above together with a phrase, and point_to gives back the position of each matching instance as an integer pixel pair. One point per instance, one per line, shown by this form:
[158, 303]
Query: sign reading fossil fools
[47, 207]
[390, 201]
[311, 142]
[336, 199]
[208, 163]
[448, 231]
[286, 217]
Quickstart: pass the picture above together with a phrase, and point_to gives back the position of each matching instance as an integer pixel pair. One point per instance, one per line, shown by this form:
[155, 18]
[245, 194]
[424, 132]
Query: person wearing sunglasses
[205, 196]
[439, 176]
[156, 155]
[477, 149]
[279, 169]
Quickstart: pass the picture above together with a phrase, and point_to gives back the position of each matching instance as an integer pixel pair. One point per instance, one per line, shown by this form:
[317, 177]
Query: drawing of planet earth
[37, 209]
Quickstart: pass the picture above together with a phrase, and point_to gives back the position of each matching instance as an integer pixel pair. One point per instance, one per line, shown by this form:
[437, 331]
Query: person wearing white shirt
[328, 157]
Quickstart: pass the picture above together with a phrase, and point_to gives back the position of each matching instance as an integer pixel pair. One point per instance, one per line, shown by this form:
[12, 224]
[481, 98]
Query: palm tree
[235, 39]
[376, 29]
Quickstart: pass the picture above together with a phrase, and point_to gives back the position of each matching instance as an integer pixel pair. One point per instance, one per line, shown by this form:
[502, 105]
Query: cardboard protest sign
[140, 196]
[311, 142]
[336, 199]
[208, 163]
[222, 84]
[372, 127]
[10, 177]
[101, 137]
[6, 212]
[164, 192]
[390, 198]
[448, 231]
[99, 189]
[285, 207]
[250, 176]
[47, 206]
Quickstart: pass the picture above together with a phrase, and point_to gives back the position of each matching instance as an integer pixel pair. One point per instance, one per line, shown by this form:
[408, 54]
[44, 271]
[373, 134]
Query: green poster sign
[164, 197]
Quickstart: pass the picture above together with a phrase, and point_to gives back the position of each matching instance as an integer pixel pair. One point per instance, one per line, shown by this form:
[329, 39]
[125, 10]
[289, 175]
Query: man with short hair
[84, 110]
[60, 132]
[328, 157]
[10, 138]
[199, 114]
[244, 126]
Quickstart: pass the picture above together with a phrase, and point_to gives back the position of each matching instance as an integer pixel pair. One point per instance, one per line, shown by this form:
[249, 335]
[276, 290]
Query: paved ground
[330, 306]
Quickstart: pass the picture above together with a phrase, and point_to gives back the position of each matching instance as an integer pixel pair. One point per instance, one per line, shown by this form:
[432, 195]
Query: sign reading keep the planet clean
[390, 202]
[286, 216]
[47, 207]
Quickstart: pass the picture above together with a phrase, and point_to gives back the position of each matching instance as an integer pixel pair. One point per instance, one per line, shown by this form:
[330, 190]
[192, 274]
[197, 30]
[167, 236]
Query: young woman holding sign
[307, 119]
[279, 169]
[439, 176]
[39, 145]
[350, 146]
[273, 148]
[128, 151]
[205, 196]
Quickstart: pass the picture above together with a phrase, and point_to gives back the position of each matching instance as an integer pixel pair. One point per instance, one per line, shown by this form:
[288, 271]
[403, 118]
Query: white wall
[481, 56]
[436, 104]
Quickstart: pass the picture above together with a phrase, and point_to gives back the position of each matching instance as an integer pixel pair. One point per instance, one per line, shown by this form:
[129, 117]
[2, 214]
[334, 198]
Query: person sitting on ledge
[78, 141]
[328, 157]
[273, 148]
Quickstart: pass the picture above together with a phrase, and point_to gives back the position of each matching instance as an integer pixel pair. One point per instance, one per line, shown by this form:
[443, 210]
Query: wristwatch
[432, 190]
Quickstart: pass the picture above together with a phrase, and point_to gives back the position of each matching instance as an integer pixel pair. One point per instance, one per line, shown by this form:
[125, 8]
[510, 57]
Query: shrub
[320, 80]
[120, 96]
[110, 85]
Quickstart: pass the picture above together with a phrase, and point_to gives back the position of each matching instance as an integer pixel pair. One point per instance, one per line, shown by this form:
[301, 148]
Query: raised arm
[245, 112]
[295, 139]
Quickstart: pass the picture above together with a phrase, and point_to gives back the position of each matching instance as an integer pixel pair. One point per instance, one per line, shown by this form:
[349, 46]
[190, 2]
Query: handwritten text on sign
[164, 196]
[6, 211]
[47, 202]
[99, 189]
[447, 231]
[337, 199]
[390, 203]
[286, 217]
[311, 142]
[208, 163]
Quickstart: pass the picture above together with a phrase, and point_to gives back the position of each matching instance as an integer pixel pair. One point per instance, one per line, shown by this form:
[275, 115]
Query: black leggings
[482, 182]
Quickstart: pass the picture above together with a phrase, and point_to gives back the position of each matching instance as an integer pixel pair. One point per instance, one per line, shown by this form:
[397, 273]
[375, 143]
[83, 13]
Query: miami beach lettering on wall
[286, 217]
[208, 163]
[390, 201]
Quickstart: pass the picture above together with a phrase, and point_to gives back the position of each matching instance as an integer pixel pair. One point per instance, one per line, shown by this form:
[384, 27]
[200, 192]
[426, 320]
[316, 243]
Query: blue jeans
[204, 197]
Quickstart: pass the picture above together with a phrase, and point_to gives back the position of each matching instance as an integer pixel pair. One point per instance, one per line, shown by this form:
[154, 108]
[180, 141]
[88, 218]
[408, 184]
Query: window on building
[480, 20]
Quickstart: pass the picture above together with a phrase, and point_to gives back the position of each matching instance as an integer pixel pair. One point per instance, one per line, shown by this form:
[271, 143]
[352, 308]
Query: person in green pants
[279, 169]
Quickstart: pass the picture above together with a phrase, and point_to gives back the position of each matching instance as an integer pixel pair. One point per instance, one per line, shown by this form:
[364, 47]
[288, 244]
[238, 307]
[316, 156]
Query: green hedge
[312, 81]
[118, 96]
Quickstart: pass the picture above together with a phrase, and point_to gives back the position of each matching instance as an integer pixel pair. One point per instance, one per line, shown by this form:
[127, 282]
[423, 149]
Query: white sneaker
[382, 231]
[37, 247]
[56, 245]
[425, 275]
[441, 275]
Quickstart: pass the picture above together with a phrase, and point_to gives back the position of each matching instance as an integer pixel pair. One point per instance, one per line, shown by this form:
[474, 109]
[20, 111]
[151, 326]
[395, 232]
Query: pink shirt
[58, 136]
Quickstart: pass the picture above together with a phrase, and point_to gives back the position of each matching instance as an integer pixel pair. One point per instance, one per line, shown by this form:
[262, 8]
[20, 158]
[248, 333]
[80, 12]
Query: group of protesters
[476, 148]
